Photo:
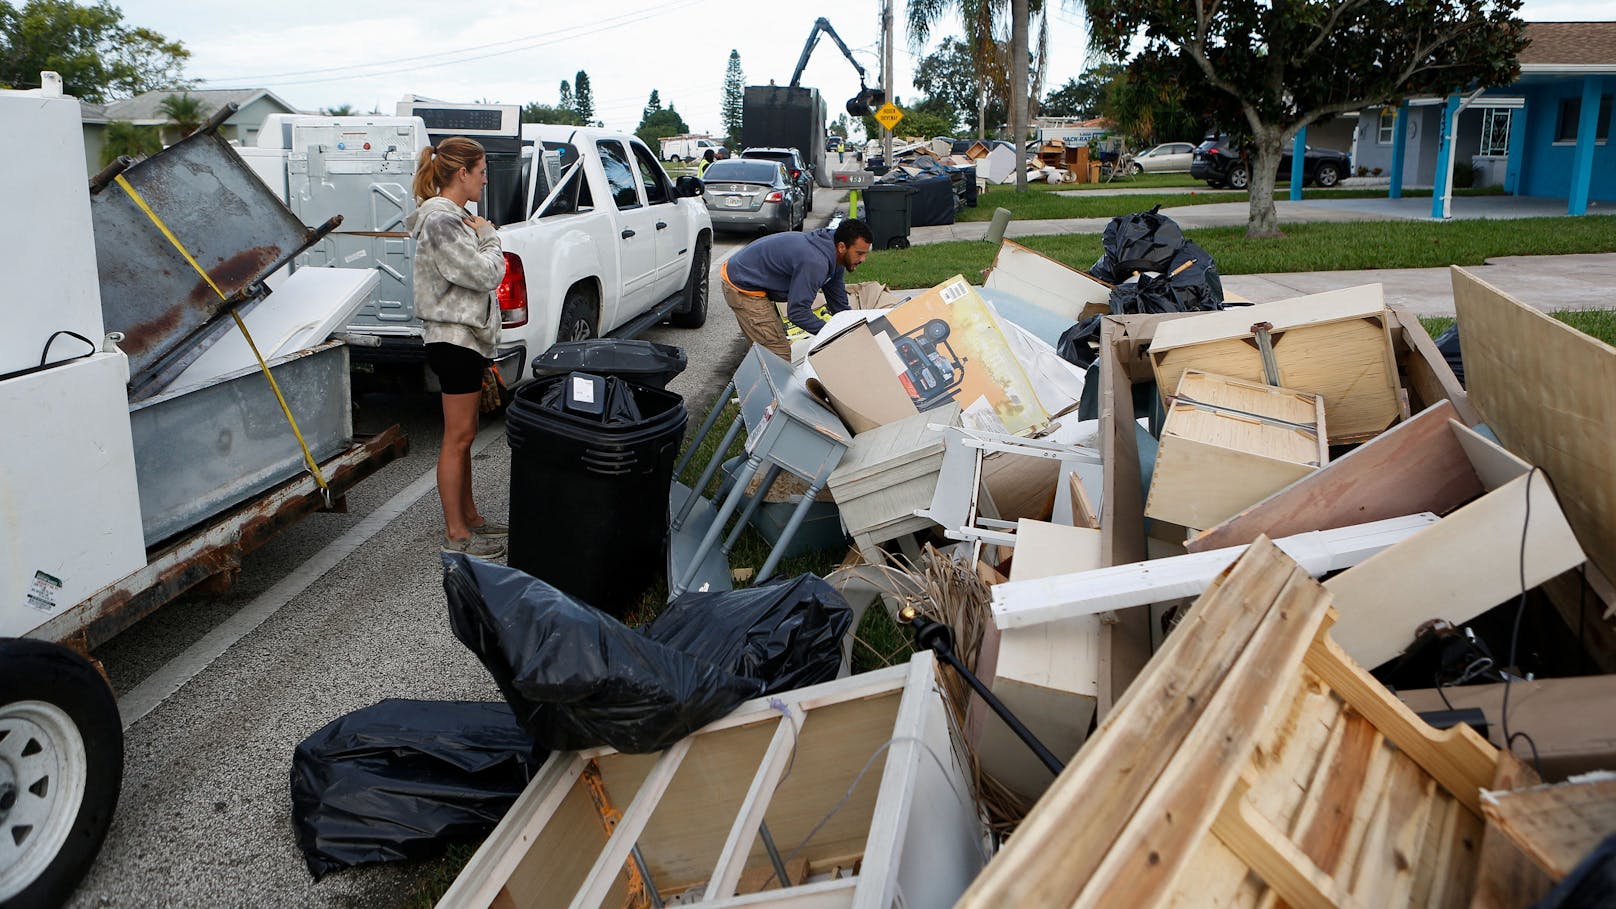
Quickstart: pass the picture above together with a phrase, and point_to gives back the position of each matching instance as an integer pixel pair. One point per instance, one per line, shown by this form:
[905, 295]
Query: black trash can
[888, 209]
[645, 362]
[589, 494]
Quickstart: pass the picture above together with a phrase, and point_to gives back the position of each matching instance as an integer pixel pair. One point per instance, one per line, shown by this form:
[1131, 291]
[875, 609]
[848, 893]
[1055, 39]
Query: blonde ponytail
[437, 165]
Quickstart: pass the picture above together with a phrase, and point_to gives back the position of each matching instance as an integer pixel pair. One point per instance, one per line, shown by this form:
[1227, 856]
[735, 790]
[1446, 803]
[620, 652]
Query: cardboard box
[948, 347]
[855, 376]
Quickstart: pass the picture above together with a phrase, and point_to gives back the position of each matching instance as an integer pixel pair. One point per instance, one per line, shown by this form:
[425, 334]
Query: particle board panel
[1556, 825]
[1427, 378]
[1465, 564]
[1337, 345]
[1254, 764]
[1418, 465]
[1508, 878]
[1044, 282]
[1549, 392]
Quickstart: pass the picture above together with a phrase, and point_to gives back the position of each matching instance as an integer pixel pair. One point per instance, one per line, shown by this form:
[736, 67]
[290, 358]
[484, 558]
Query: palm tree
[990, 27]
[125, 138]
[185, 113]
[341, 110]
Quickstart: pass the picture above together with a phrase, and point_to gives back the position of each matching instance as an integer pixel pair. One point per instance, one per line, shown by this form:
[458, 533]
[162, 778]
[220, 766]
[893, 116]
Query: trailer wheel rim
[43, 769]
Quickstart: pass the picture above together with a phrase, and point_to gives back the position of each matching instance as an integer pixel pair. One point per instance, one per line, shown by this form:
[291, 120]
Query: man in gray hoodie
[792, 268]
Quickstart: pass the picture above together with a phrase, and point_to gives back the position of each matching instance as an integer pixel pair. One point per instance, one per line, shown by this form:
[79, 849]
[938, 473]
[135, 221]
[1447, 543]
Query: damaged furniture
[851, 790]
[787, 431]
[1253, 761]
[888, 474]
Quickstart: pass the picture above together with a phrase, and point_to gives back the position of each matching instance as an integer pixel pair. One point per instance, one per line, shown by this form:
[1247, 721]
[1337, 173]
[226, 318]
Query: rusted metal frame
[217, 549]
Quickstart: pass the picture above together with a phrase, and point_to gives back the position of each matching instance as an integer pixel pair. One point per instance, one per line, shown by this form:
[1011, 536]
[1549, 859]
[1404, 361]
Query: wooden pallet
[1252, 763]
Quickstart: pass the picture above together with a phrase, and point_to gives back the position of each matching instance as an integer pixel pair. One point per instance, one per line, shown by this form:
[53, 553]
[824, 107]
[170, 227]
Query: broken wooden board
[1471, 561]
[1253, 761]
[1571, 721]
[1506, 878]
[1556, 825]
[691, 815]
[1036, 278]
[1337, 345]
[1548, 391]
[1019, 604]
[1417, 465]
[1227, 443]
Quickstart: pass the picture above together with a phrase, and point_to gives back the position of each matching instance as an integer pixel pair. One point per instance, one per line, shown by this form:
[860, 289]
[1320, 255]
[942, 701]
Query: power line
[530, 42]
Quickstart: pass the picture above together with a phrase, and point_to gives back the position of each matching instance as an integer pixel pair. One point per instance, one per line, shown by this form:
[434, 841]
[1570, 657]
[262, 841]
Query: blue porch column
[1582, 165]
[1444, 153]
[1516, 164]
[1399, 147]
[1298, 152]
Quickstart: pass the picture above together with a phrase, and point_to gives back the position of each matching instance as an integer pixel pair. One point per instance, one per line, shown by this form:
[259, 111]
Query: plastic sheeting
[577, 678]
[399, 779]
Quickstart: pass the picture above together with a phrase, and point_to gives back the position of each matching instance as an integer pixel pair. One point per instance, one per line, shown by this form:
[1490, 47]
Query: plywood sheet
[1549, 392]
[1557, 825]
[1032, 276]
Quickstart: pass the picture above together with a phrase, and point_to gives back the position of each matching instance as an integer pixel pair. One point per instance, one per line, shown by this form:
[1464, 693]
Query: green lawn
[1599, 323]
[1045, 202]
[1304, 247]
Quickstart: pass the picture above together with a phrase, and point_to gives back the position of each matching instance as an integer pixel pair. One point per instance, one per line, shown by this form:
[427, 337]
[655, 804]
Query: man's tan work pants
[757, 316]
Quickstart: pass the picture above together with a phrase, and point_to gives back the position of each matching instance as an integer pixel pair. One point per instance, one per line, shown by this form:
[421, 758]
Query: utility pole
[886, 76]
[1018, 88]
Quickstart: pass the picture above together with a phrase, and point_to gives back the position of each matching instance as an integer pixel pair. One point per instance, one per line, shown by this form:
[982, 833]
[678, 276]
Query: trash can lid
[611, 357]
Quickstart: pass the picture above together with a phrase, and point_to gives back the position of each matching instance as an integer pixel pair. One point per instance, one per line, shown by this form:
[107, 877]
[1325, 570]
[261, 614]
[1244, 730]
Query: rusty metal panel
[201, 449]
[223, 214]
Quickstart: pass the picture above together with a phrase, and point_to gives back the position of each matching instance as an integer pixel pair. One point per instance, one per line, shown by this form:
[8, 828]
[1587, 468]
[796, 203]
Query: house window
[1565, 128]
[1495, 131]
[1388, 124]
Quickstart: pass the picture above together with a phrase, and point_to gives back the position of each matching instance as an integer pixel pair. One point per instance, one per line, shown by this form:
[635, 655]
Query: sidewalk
[1216, 214]
[1550, 283]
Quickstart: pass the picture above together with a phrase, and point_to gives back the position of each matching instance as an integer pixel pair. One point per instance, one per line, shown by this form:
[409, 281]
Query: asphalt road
[336, 614]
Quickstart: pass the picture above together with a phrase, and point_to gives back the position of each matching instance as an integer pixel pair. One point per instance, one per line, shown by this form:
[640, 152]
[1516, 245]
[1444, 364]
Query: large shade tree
[98, 55]
[1263, 69]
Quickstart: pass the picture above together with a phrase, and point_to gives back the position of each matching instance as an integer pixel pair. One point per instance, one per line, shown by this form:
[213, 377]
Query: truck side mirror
[688, 186]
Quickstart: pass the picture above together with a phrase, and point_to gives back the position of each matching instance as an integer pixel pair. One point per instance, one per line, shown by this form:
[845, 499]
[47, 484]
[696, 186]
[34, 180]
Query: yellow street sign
[889, 115]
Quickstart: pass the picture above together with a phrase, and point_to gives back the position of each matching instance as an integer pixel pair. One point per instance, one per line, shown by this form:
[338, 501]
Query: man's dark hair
[853, 229]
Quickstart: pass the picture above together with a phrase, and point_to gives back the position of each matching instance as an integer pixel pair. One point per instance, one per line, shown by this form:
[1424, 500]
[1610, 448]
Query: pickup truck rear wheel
[61, 766]
[577, 316]
[692, 313]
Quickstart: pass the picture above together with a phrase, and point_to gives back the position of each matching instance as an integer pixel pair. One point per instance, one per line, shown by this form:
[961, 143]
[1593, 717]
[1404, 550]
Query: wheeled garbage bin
[591, 464]
[888, 210]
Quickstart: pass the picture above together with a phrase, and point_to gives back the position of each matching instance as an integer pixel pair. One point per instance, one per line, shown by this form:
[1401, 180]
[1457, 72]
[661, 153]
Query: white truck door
[672, 228]
[635, 238]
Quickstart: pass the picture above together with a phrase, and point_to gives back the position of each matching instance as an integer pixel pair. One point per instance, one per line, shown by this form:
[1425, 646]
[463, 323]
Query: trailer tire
[61, 767]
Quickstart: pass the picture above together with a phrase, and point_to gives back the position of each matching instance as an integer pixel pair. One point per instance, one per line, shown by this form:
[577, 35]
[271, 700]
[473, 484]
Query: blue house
[1546, 135]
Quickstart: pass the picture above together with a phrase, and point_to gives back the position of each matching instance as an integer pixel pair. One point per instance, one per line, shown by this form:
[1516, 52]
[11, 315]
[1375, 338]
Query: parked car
[1220, 164]
[753, 194]
[688, 148]
[796, 165]
[1167, 158]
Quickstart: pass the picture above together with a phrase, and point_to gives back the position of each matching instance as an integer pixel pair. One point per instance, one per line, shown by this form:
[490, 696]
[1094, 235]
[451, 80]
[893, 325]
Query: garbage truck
[147, 447]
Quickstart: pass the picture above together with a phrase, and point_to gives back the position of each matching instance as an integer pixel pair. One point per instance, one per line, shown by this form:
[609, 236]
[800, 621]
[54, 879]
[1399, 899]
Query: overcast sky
[518, 51]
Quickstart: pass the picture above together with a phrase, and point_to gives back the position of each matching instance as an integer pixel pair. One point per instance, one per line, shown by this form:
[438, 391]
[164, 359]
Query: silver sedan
[1167, 158]
[753, 194]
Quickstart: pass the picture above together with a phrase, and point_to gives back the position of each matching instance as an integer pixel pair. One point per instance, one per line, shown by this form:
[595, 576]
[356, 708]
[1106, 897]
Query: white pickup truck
[610, 247]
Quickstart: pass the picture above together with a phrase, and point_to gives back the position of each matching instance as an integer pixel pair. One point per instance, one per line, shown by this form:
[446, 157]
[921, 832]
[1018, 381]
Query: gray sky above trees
[519, 51]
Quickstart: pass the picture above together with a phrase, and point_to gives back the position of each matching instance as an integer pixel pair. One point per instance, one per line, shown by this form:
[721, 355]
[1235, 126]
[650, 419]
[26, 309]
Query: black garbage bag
[1149, 242]
[1077, 344]
[619, 406]
[1590, 885]
[400, 779]
[1448, 343]
[786, 634]
[577, 678]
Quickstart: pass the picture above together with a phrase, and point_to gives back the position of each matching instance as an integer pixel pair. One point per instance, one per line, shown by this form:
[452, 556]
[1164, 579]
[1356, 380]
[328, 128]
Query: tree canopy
[734, 103]
[99, 57]
[664, 121]
[1262, 70]
[583, 97]
[547, 113]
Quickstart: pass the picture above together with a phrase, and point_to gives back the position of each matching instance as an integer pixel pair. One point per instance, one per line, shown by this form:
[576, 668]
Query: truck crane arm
[822, 26]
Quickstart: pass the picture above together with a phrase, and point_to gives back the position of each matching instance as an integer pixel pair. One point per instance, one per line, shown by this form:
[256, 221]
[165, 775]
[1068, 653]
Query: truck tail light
[512, 293]
[775, 196]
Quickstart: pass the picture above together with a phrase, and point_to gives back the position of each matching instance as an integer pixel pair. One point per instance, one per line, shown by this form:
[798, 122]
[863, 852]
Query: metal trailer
[92, 437]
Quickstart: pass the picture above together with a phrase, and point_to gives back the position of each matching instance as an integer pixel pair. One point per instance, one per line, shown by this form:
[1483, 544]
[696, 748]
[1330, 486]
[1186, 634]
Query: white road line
[172, 676]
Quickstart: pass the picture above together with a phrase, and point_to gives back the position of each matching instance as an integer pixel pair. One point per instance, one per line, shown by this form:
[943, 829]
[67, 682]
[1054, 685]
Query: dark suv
[1219, 164]
[796, 168]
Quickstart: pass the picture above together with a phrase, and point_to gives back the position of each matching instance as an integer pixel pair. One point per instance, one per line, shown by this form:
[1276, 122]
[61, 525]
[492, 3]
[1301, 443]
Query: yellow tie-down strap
[308, 457]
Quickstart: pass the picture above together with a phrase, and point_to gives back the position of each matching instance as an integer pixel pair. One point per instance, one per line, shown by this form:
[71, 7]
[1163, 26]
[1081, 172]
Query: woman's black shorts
[459, 369]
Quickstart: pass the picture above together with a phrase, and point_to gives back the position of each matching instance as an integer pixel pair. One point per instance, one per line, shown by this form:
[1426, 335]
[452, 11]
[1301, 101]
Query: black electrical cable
[1515, 632]
[43, 354]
